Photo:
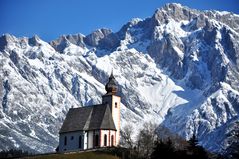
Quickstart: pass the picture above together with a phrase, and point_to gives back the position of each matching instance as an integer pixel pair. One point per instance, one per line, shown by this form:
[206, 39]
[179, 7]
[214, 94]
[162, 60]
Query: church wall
[102, 134]
[109, 134]
[85, 140]
[90, 139]
[72, 141]
[116, 116]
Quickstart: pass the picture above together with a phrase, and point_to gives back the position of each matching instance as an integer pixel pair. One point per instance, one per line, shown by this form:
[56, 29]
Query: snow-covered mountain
[179, 68]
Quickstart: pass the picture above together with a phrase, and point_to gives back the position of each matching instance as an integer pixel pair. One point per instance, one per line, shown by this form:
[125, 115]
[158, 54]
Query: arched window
[80, 142]
[112, 140]
[115, 104]
[105, 140]
[96, 140]
[65, 141]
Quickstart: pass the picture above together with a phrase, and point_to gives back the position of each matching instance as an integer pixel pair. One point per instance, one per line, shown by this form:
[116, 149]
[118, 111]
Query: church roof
[88, 118]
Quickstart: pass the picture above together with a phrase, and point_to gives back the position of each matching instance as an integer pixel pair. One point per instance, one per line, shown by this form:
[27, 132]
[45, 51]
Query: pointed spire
[112, 73]
[111, 87]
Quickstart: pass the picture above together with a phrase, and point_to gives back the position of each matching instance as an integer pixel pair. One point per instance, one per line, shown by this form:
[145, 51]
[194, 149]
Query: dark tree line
[164, 150]
[13, 153]
[166, 145]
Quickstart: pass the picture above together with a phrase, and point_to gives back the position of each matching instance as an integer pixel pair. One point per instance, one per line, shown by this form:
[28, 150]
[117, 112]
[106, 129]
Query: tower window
[115, 104]
[65, 141]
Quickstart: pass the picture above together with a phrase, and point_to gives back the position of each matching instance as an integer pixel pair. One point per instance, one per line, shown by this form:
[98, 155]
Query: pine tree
[193, 142]
[195, 150]
[163, 150]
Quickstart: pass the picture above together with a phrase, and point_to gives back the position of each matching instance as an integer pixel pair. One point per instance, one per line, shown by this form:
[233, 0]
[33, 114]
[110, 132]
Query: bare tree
[146, 139]
[164, 134]
[126, 137]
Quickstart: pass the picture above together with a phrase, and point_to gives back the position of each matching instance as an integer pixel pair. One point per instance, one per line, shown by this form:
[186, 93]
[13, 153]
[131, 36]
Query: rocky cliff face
[179, 68]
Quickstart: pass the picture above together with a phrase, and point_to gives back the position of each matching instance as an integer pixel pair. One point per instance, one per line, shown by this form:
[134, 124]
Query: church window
[80, 142]
[112, 140]
[115, 104]
[65, 141]
[96, 140]
[105, 140]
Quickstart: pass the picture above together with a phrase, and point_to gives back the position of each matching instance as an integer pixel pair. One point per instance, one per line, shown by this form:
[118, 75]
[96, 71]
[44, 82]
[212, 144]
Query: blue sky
[51, 18]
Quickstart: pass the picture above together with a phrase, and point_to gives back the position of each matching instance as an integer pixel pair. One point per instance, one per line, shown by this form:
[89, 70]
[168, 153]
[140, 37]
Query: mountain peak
[34, 41]
[8, 37]
[5, 39]
[173, 5]
[175, 11]
[135, 21]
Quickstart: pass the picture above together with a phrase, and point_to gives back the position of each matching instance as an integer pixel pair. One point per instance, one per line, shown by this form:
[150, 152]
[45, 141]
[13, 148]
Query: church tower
[113, 100]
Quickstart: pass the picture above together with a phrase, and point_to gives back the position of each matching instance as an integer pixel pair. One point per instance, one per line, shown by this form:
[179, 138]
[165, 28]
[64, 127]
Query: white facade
[82, 140]
[90, 140]
[107, 138]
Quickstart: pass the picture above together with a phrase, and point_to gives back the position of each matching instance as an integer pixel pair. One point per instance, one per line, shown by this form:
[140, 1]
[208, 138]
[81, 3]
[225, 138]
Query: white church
[93, 126]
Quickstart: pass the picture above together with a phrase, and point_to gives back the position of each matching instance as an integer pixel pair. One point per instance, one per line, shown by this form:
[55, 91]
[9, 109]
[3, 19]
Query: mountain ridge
[179, 68]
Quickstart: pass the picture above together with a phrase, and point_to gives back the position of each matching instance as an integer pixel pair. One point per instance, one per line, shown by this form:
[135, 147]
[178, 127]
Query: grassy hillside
[81, 155]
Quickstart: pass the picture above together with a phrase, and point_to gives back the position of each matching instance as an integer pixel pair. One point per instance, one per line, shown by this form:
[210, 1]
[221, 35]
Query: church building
[93, 126]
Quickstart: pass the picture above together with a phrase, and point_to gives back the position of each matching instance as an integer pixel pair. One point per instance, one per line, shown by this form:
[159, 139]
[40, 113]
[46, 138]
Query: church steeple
[113, 101]
[111, 87]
